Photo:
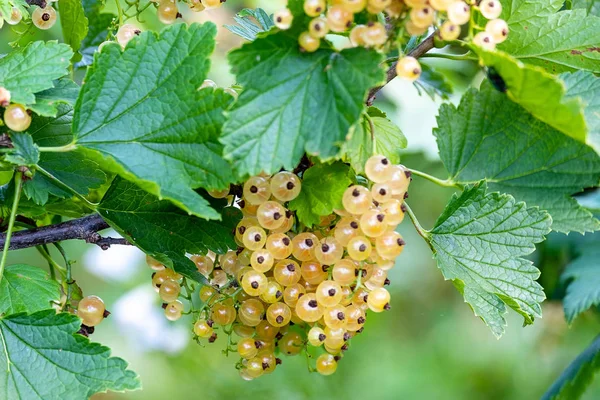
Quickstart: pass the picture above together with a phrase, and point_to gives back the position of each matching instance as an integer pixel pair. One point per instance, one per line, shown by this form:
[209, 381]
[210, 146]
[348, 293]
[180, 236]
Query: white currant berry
[208, 4]
[318, 28]
[17, 118]
[15, 16]
[375, 34]
[485, 41]
[490, 9]
[4, 95]
[459, 13]
[440, 5]
[91, 310]
[283, 18]
[354, 6]
[422, 16]
[408, 68]
[167, 11]
[44, 18]
[498, 28]
[449, 31]
[414, 30]
[314, 8]
[126, 33]
[309, 43]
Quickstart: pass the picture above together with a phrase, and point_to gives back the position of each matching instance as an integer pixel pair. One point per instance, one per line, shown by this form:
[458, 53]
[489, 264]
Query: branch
[417, 52]
[85, 228]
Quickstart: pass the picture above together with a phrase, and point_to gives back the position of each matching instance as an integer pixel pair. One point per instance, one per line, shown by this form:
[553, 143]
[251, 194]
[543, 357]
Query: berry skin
[257, 190]
[223, 314]
[326, 364]
[15, 16]
[394, 212]
[154, 264]
[271, 215]
[449, 31]
[17, 118]
[381, 192]
[204, 264]
[279, 245]
[174, 310]
[422, 16]
[313, 272]
[377, 279]
[359, 248]
[375, 34]
[414, 30]
[254, 368]
[4, 94]
[292, 293]
[286, 186]
[247, 348]
[254, 283]
[44, 18]
[217, 194]
[126, 33]
[335, 317]
[354, 6]
[206, 293]
[266, 332]
[268, 360]
[373, 223]
[251, 312]
[395, 8]
[355, 318]
[228, 261]
[287, 272]
[273, 294]
[262, 260]
[316, 336]
[328, 293]
[485, 41]
[167, 11]
[169, 290]
[490, 9]
[208, 4]
[344, 272]
[378, 169]
[317, 28]
[309, 43]
[346, 229]
[339, 18]
[389, 245]
[408, 68]
[283, 19]
[440, 5]
[304, 246]
[329, 251]
[357, 35]
[308, 309]
[254, 238]
[202, 329]
[498, 28]
[378, 300]
[291, 344]
[400, 179]
[91, 310]
[314, 8]
[357, 199]
[279, 314]
[459, 13]
[377, 6]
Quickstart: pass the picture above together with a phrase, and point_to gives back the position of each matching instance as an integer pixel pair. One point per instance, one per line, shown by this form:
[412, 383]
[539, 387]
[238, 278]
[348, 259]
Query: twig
[85, 228]
[11, 222]
[417, 52]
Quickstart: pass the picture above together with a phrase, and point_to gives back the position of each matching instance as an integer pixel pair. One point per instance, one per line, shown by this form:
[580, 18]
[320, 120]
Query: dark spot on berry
[331, 292]
[365, 298]
[253, 189]
[355, 272]
[265, 365]
[288, 214]
[425, 11]
[362, 248]
[325, 247]
[290, 185]
[258, 344]
[278, 361]
[312, 304]
[405, 195]
[318, 9]
[279, 19]
[387, 306]
[361, 320]
[276, 216]
[325, 268]
[178, 15]
[212, 338]
[241, 230]
[154, 273]
[382, 191]
[309, 242]
[291, 267]
[486, 39]
[347, 336]
[416, 71]
[356, 193]
[242, 203]
[341, 316]
[322, 337]
[210, 323]
[376, 203]
[403, 208]
[254, 285]
[317, 27]
[354, 225]
[106, 314]
[386, 282]
[164, 306]
[260, 259]
[286, 241]
[278, 294]
[337, 358]
[380, 217]
[137, 32]
[257, 237]
[46, 17]
[279, 336]
[371, 23]
[400, 242]
[300, 295]
[279, 319]
[360, 330]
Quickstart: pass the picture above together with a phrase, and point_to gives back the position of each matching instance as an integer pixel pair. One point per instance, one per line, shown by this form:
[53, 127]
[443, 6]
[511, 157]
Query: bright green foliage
[98, 25]
[571, 384]
[7, 5]
[73, 22]
[53, 131]
[47, 102]
[323, 186]
[33, 69]
[294, 102]
[525, 83]
[134, 122]
[24, 152]
[45, 360]
[586, 86]
[479, 241]
[583, 279]
[163, 230]
[374, 135]
[433, 83]
[250, 23]
[26, 289]
[490, 137]
[556, 41]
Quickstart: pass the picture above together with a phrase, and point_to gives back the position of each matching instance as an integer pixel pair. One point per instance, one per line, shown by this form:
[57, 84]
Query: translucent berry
[287, 224]
[268, 360]
[243, 225]
[91, 310]
[160, 276]
[204, 264]
[223, 314]
[339, 18]
[251, 312]
[154, 264]
[359, 248]
[314, 8]
[326, 364]
[378, 169]
[355, 318]
[377, 279]
[127, 32]
[318, 27]
[389, 245]
[378, 300]
[344, 272]
[490, 9]
[219, 278]
[167, 11]
[169, 290]
[266, 332]
[309, 43]
[291, 343]
[287, 272]
[262, 260]
[44, 18]
[316, 336]
[286, 186]
[273, 293]
[357, 35]
[335, 317]
[292, 293]
[254, 368]
[449, 31]
[17, 118]
[174, 310]
[271, 215]
[329, 251]
[15, 16]
[304, 246]
[413, 29]
[279, 314]
[440, 5]
[373, 223]
[228, 261]
[308, 309]
[196, 5]
[422, 16]
[354, 6]
[283, 18]
[484, 40]
[459, 13]
[257, 190]
[329, 293]
[346, 229]
[498, 28]
[408, 68]
[357, 199]
[212, 3]
[247, 348]
[203, 329]
[279, 245]
[4, 93]
[207, 293]
[395, 9]
[375, 34]
[218, 194]
[381, 192]
[377, 6]
[254, 283]
[394, 212]
[313, 272]
[254, 238]
[400, 180]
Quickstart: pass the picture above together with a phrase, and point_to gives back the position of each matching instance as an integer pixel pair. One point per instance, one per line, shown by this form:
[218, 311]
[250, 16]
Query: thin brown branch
[417, 52]
[85, 228]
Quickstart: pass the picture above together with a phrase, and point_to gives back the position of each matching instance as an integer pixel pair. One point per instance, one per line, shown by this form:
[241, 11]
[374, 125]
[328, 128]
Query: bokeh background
[428, 346]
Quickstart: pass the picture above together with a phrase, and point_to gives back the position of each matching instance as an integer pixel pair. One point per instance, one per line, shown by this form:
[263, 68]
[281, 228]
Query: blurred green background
[428, 346]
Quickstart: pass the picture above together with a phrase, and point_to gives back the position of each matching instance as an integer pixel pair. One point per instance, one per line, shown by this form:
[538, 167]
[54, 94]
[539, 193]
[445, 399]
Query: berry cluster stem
[444, 183]
[11, 221]
[420, 230]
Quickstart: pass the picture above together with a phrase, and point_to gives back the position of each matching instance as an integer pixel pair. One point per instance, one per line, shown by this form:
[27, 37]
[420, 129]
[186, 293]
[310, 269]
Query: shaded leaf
[28, 289]
[586, 86]
[250, 23]
[73, 22]
[25, 152]
[582, 277]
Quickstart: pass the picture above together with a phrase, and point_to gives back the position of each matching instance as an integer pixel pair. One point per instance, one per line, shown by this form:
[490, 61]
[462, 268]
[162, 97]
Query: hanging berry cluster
[404, 18]
[289, 289]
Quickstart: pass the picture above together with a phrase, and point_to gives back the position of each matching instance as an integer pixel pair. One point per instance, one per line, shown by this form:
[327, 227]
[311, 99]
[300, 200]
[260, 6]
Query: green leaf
[98, 31]
[586, 86]
[164, 231]
[389, 140]
[525, 85]
[536, 163]
[582, 277]
[479, 241]
[73, 22]
[132, 122]
[26, 289]
[25, 152]
[47, 102]
[556, 41]
[33, 69]
[322, 188]
[250, 23]
[53, 131]
[592, 7]
[574, 380]
[294, 102]
[45, 360]
[433, 83]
